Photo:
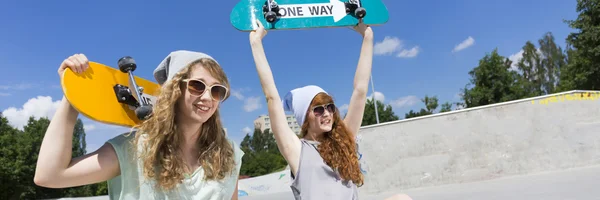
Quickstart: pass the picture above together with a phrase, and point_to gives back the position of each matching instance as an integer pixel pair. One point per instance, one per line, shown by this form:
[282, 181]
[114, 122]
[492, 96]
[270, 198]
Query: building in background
[263, 123]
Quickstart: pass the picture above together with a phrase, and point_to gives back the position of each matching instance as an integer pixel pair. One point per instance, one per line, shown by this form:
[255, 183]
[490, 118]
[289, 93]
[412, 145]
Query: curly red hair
[338, 147]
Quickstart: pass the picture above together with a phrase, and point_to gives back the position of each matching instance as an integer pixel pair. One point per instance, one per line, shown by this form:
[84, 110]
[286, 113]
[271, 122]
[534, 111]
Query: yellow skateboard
[104, 94]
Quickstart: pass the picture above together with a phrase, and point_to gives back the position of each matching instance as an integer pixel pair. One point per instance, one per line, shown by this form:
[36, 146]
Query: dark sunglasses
[197, 88]
[319, 110]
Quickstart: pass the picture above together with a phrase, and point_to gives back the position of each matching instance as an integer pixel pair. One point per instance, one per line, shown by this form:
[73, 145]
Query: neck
[190, 133]
[312, 135]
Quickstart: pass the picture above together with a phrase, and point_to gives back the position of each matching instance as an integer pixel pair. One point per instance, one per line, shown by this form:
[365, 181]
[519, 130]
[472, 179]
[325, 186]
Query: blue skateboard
[307, 14]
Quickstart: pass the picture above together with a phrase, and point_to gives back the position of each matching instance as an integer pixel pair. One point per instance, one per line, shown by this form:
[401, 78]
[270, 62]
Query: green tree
[583, 49]
[261, 154]
[385, 112]
[492, 82]
[447, 106]
[431, 105]
[530, 66]
[8, 165]
[18, 159]
[553, 60]
[29, 144]
[412, 113]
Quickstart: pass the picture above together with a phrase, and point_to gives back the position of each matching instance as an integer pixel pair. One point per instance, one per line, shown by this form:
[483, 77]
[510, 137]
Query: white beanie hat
[298, 100]
[175, 62]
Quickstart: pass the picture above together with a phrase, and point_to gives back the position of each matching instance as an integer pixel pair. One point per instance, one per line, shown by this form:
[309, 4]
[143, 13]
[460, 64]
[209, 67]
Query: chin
[200, 117]
[326, 129]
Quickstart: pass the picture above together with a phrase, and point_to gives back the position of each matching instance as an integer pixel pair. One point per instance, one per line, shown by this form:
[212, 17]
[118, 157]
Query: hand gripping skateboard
[307, 14]
[110, 96]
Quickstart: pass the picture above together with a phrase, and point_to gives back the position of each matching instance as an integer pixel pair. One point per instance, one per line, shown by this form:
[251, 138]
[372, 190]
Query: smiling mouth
[202, 107]
[327, 121]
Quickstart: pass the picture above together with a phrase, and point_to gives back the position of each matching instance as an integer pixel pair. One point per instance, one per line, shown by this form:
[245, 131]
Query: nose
[326, 113]
[206, 96]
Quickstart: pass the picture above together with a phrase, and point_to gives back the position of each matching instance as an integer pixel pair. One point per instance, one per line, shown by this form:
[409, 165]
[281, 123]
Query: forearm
[365, 63]
[55, 151]
[287, 142]
[264, 71]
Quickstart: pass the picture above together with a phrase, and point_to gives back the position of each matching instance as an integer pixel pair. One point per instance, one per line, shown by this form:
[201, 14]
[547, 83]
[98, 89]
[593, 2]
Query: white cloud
[515, 58]
[252, 104]
[464, 44]
[41, 106]
[405, 101]
[247, 130]
[237, 94]
[344, 107]
[409, 53]
[378, 96]
[22, 86]
[387, 46]
[89, 127]
[391, 44]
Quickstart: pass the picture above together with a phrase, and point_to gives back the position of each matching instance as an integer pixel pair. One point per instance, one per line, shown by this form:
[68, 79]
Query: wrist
[368, 35]
[255, 43]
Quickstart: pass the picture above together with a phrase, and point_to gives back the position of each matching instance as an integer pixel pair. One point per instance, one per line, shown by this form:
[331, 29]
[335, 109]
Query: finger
[82, 61]
[86, 61]
[259, 23]
[67, 64]
[76, 64]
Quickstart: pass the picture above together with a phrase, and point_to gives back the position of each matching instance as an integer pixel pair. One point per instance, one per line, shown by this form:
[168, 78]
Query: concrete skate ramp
[267, 184]
[546, 133]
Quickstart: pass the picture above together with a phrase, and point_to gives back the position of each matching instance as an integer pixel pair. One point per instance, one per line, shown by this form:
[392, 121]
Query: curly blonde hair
[338, 147]
[159, 154]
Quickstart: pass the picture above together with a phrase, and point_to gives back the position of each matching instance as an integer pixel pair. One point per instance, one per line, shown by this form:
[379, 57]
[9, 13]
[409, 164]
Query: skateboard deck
[106, 94]
[306, 14]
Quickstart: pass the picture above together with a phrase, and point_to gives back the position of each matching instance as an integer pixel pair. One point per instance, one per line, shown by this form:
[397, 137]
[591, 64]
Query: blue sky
[417, 47]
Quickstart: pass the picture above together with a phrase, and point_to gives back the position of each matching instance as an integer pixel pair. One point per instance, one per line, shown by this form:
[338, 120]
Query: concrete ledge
[551, 132]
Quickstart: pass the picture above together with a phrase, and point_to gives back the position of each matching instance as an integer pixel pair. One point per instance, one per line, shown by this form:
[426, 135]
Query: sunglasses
[197, 88]
[319, 110]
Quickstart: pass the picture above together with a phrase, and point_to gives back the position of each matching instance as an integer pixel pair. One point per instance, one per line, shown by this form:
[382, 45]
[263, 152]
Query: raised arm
[55, 167]
[356, 108]
[287, 141]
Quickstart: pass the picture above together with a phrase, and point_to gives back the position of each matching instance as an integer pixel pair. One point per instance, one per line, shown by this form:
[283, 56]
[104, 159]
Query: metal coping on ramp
[481, 107]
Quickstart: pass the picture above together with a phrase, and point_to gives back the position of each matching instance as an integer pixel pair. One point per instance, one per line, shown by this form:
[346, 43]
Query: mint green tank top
[131, 183]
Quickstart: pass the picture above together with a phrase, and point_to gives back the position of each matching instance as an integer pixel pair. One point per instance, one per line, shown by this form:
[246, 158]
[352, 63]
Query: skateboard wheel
[360, 12]
[127, 64]
[271, 16]
[143, 112]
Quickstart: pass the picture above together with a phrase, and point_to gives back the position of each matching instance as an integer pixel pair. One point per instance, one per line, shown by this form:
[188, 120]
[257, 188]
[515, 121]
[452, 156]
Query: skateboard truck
[271, 11]
[354, 7]
[133, 98]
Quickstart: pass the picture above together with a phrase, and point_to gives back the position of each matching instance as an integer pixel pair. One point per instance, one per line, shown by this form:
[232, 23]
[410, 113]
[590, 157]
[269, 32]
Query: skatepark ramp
[545, 133]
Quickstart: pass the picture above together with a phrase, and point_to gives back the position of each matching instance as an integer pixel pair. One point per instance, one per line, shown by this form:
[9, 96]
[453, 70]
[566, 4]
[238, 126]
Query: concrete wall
[526, 136]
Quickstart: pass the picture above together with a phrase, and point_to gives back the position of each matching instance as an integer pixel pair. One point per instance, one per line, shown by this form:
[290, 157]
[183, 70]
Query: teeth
[204, 108]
